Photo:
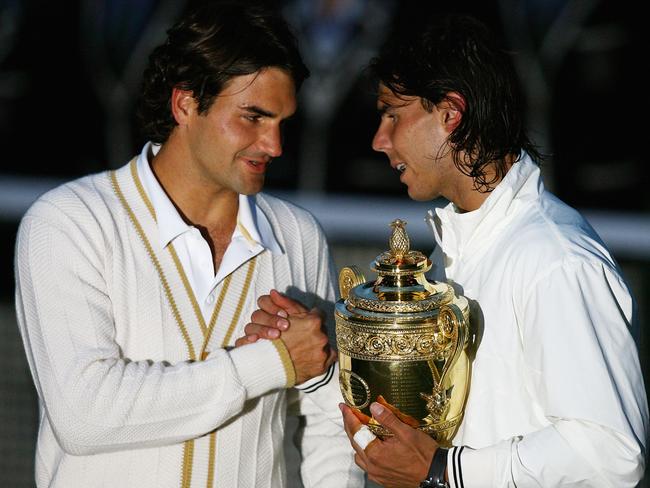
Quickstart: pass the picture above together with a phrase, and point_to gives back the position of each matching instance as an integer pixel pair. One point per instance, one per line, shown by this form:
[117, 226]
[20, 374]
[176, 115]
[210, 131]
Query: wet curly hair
[458, 53]
[211, 44]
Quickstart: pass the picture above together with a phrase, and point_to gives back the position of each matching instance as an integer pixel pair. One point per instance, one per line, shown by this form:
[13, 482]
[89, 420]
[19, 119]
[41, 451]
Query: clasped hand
[301, 330]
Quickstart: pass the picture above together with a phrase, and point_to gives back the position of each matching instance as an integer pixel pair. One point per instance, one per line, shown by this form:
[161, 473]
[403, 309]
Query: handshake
[302, 331]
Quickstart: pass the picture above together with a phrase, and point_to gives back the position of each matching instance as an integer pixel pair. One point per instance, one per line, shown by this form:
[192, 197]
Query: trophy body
[402, 342]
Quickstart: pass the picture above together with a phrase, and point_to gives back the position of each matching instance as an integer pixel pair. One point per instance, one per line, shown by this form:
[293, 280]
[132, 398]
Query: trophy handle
[452, 324]
[349, 277]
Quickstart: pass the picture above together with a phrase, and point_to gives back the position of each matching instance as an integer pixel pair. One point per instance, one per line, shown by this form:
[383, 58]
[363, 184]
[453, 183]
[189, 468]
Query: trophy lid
[400, 260]
[401, 286]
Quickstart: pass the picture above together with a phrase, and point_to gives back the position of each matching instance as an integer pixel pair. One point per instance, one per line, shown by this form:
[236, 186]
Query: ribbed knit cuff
[261, 367]
[289, 368]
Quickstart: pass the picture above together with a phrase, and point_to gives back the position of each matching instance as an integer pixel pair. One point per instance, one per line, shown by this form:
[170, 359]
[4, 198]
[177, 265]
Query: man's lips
[257, 165]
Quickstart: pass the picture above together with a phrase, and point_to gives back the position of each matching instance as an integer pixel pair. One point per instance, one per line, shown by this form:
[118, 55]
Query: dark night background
[69, 77]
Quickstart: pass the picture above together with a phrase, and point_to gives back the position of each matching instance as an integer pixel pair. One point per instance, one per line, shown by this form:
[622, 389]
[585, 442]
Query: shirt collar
[255, 226]
[252, 223]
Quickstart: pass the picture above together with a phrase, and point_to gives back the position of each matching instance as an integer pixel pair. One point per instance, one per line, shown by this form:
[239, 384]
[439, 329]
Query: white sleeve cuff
[469, 468]
[259, 367]
[314, 384]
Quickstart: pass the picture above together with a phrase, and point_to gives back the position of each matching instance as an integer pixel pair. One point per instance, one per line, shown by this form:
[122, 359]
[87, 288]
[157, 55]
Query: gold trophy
[402, 342]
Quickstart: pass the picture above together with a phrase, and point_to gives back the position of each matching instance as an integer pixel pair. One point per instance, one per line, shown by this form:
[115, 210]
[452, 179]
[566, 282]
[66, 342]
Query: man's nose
[272, 142]
[381, 142]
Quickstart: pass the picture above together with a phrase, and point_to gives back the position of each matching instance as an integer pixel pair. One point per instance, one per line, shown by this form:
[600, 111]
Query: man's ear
[182, 105]
[452, 109]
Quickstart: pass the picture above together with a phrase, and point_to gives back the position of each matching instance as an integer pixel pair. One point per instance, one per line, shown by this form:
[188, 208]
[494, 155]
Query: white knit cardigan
[135, 389]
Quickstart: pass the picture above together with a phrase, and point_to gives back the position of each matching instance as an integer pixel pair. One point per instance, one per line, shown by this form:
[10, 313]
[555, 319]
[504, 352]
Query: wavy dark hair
[457, 53]
[212, 43]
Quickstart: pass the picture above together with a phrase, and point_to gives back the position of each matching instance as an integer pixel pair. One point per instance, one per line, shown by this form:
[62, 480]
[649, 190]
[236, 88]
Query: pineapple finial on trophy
[399, 241]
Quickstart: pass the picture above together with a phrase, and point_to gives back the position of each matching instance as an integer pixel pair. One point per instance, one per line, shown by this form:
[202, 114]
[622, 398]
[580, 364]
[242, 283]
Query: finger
[264, 318]
[247, 339]
[361, 461]
[266, 303]
[290, 305]
[262, 331]
[352, 426]
[386, 418]
[350, 421]
[363, 438]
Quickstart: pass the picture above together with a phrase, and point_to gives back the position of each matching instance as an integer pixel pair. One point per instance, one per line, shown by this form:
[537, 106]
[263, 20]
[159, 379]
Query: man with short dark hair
[132, 285]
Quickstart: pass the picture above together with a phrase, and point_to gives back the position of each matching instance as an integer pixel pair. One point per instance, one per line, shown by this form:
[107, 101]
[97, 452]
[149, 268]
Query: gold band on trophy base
[402, 342]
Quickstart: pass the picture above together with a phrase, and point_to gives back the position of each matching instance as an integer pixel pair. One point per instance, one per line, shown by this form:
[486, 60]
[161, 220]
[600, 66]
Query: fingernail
[282, 313]
[283, 324]
[376, 409]
[274, 333]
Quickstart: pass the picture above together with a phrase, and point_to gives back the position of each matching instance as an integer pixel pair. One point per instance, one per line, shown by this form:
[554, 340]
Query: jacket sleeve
[95, 399]
[327, 456]
[583, 367]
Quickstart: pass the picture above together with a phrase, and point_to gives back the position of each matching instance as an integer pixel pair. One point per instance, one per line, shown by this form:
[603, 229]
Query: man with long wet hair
[556, 393]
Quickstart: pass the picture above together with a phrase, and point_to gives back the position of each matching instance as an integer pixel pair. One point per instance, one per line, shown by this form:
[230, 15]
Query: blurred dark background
[70, 74]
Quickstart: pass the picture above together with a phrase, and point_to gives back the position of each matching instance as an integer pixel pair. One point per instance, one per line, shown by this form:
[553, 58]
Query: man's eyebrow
[382, 107]
[257, 110]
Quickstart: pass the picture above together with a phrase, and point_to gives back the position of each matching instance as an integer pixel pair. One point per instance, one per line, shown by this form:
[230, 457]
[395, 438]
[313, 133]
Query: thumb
[388, 419]
[290, 305]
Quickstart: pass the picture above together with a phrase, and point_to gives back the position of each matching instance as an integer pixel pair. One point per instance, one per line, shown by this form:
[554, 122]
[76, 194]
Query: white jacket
[556, 396]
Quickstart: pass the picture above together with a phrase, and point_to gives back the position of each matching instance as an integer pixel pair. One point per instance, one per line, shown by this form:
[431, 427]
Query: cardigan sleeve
[583, 367]
[97, 400]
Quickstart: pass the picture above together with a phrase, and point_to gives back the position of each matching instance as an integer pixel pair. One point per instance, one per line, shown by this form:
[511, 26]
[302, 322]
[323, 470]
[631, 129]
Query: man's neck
[198, 202]
[468, 197]
[211, 210]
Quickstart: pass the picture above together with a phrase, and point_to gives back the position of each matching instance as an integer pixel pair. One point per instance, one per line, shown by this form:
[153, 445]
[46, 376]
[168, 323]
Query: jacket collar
[458, 233]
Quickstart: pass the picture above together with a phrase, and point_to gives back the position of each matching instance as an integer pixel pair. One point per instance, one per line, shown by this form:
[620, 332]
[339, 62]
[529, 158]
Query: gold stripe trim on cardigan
[240, 303]
[215, 312]
[188, 448]
[285, 357]
[156, 263]
[188, 457]
[136, 179]
[172, 251]
[212, 454]
[224, 343]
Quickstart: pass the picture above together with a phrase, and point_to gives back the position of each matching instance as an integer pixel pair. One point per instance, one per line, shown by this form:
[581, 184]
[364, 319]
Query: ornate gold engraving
[430, 303]
[380, 343]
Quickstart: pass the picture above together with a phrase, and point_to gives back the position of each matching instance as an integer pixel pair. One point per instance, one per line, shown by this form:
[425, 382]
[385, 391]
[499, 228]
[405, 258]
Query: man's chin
[252, 187]
[421, 196]
[415, 195]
